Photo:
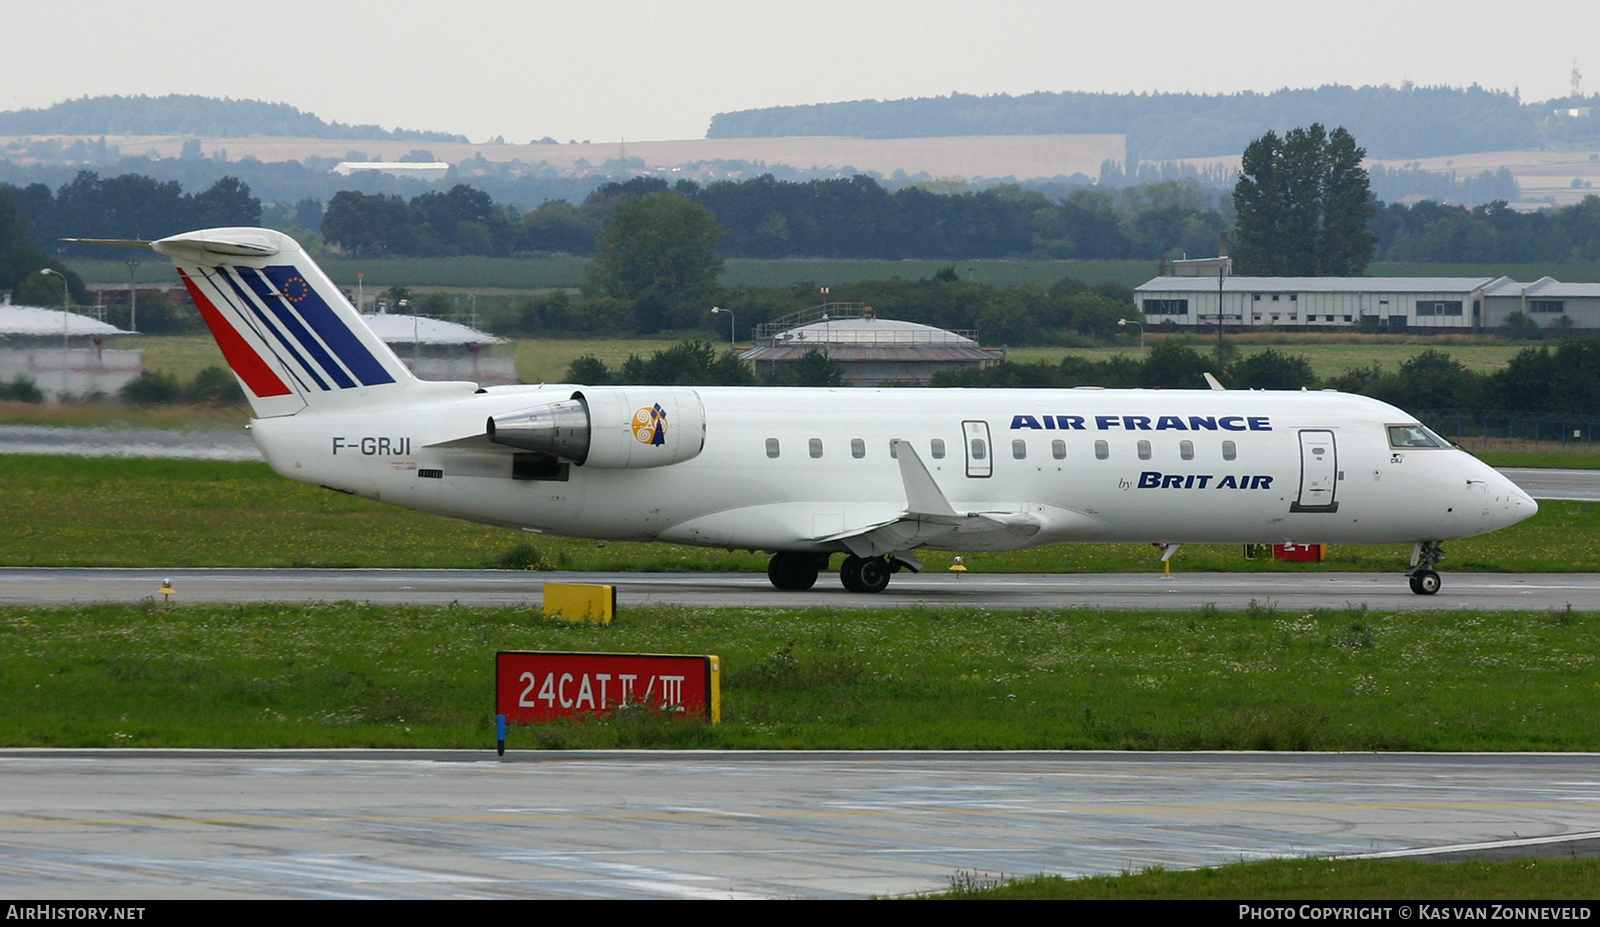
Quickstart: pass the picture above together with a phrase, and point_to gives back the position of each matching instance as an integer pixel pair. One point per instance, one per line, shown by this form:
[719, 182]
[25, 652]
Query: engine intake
[610, 428]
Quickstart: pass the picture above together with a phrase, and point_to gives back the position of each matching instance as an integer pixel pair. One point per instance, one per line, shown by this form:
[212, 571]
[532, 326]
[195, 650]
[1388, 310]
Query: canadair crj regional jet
[875, 475]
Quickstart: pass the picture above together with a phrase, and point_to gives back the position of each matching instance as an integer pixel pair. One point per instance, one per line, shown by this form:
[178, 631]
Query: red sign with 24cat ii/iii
[534, 687]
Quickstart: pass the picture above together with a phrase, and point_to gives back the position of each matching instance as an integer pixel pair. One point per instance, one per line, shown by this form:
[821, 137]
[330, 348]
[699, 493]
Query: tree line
[1069, 312]
[1563, 379]
[1394, 122]
[127, 206]
[768, 218]
[188, 114]
[1493, 233]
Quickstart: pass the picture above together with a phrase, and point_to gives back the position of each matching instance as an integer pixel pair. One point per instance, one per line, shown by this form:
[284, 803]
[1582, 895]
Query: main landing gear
[865, 574]
[792, 571]
[795, 572]
[1424, 581]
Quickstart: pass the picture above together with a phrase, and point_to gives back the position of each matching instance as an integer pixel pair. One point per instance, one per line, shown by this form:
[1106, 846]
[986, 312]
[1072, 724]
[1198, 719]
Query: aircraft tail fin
[291, 337]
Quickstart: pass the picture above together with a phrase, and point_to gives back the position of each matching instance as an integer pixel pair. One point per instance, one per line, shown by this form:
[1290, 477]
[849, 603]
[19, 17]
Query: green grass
[543, 360]
[75, 511]
[324, 675]
[1568, 457]
[1327, 358]
[770, 273]
[1301, 879]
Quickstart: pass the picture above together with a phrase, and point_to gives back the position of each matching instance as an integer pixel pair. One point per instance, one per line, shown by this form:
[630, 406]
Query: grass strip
[1300, 879]
[86, 512]
[356, 675]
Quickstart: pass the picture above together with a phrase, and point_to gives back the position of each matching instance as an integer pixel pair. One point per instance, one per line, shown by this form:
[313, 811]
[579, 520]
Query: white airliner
[806, 473]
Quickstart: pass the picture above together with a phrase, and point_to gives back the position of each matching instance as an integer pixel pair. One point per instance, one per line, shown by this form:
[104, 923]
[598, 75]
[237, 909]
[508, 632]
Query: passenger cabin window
[1230, 451]
[979, 449]
[858, 448]
[1058, 449]
[894, 451]
[1408, 436]
[1144, 450]
[1019, 449]
[1102, 450]
[772, 447]
[937, 447]
[816, 447]
[1186, 450]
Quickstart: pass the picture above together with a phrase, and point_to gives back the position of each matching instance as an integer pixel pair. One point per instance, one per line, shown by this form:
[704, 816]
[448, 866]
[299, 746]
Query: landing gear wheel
[1425, 582]
[793, 572]
[865, 574]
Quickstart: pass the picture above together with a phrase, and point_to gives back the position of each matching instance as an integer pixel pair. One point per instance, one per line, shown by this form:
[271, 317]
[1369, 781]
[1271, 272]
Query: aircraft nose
[1509, 504]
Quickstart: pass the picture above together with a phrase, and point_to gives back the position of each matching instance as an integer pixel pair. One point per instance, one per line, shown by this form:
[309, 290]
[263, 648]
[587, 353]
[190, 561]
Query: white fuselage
[799, 469]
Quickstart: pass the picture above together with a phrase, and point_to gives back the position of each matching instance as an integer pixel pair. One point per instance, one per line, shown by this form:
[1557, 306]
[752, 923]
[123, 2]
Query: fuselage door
[980, 463]
[1319, 471]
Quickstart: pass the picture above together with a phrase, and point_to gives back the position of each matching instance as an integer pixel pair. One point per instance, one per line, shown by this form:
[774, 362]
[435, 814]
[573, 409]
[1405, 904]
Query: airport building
[870, 351]
[1545, 301]
[65, 354]
[435, 349]
[1369, 303]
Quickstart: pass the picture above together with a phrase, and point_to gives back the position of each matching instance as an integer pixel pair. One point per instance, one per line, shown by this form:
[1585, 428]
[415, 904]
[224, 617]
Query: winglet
[1213, 382]
[922, 493]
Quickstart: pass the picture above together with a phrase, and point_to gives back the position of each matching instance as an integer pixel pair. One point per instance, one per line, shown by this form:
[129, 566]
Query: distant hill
[201, 117]
[1390, 122]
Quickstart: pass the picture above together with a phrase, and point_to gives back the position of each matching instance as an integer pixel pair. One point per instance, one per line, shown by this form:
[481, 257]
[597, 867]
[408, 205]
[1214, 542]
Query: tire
[865, 574]
[874, 575]
[792, 572]
[1425, 582]
[850, 573]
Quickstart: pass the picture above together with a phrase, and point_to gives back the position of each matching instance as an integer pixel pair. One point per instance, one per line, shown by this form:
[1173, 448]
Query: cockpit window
[1409, 436]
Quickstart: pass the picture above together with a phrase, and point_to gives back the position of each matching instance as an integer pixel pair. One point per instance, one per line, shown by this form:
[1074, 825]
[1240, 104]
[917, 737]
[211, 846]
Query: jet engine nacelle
[624, 428]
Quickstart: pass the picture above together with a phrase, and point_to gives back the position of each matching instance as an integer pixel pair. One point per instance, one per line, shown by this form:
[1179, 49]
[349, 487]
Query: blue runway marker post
[500, 734]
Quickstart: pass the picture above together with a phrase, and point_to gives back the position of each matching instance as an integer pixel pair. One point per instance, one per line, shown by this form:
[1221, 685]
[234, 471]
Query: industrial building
[869, 350]
[67, 355]
[1545, 301]
[1369, 303]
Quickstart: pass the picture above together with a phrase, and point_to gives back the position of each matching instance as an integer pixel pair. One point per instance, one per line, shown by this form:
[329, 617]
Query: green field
[543, 360]
[1300, 879]
[1345, 678]
[172, 513]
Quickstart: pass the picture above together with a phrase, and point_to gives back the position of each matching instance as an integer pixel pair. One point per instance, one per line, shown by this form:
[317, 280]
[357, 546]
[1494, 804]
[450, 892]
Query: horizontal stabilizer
[472, 441]
[111, 242]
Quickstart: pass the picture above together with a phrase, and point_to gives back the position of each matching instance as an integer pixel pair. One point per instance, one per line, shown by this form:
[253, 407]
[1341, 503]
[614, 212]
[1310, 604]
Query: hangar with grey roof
[1392, 303]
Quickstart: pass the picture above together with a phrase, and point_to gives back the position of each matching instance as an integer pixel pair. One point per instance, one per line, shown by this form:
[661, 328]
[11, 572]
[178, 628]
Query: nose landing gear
[1424, 581]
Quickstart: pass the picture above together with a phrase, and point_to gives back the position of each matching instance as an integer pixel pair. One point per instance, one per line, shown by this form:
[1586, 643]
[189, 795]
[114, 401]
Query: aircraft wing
[929, 518]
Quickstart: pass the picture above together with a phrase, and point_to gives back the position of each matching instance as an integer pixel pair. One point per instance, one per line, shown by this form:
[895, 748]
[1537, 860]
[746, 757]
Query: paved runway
[1467, 591]
[454, 824]
[1573, 485]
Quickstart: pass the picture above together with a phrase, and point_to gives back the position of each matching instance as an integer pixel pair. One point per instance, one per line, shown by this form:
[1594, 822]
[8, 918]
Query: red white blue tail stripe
[287, 332]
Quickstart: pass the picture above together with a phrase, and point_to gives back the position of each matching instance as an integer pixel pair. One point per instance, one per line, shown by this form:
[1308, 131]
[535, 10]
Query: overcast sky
[602, 70]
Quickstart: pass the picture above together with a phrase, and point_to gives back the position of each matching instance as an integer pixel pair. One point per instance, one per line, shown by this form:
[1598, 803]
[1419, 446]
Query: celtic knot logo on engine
[650, 425]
